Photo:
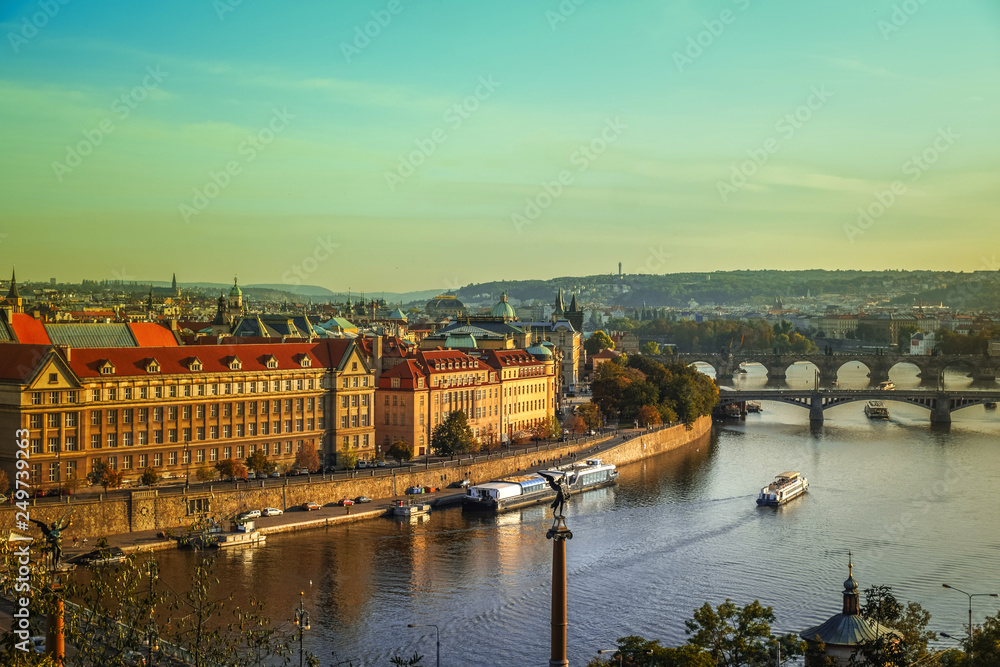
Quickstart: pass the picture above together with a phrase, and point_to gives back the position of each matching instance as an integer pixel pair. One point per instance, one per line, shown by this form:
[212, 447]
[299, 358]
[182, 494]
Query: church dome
[540, 352]
[235, 291]
[503, 309]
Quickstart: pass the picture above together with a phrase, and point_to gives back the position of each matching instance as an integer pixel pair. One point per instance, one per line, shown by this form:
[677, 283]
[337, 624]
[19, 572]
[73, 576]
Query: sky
[413, 144]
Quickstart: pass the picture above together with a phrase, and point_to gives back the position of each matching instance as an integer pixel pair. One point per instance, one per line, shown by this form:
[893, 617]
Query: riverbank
[134, 521]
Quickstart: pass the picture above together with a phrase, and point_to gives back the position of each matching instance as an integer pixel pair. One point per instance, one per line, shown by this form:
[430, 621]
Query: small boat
[990, 405]
[410, 509]
[887, 386]
[785, 486]
[754, 406]
[244, 534]
[876, 410]
[524, 490]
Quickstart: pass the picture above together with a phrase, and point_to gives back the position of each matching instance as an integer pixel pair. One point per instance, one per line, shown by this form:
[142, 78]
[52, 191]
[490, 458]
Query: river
[917, 506]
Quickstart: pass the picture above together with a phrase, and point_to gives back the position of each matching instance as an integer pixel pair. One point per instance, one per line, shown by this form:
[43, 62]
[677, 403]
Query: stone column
[941, 412]
[816, 409]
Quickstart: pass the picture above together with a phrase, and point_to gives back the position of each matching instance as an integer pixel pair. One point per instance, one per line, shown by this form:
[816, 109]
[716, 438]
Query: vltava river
[918, 507]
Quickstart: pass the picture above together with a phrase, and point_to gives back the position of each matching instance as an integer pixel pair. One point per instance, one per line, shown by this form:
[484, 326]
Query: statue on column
[53, 537]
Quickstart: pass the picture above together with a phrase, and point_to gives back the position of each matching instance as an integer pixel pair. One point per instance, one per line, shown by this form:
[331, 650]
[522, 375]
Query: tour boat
[785, 486]
[887, 386]
[876, 410]
[407, 510]
[523, 490]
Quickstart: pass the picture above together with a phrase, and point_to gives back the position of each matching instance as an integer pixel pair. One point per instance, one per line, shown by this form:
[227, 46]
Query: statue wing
[44, 526]
[64, 522]
[552, 481]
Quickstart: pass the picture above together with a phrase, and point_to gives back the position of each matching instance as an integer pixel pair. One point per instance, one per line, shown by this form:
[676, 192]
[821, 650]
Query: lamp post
[437, 631]
[971, 595]
[301, 620]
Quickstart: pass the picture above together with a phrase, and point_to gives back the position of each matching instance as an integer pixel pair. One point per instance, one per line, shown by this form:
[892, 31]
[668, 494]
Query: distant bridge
[981, 367]
[940, 403]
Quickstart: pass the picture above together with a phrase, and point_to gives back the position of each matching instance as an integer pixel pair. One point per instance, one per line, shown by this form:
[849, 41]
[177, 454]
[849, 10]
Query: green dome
[539, 351]
[503, 309]
[235, 291]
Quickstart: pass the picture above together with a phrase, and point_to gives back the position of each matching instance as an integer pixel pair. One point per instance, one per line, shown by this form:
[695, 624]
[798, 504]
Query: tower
[575, 314]
[560, 307]
[14, 299]
[619, 270]
[235, 300]
[173, 286]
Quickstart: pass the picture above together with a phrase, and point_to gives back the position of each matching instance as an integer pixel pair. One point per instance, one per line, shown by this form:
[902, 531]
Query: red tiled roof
[17, 362]
[150, 334]
[129, 361]
[407, 371]
[28, 330]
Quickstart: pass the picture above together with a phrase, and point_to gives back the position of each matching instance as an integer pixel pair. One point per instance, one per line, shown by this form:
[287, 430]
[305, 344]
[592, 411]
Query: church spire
[13, 294]
[851, 606]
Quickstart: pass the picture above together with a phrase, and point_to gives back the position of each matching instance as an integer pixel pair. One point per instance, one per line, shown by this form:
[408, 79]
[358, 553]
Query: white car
[250, 514]
[271, 511]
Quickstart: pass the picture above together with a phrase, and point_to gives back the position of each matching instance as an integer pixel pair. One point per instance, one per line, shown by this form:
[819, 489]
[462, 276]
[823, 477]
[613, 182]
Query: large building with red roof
[179, 408]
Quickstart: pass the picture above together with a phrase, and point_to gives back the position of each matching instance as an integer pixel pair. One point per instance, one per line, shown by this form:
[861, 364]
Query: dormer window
[107, 368]
[194, 364]
[271, 362]
[235, 364]
[420, 383]
[395, 383]
[305, 361]
[152, 366]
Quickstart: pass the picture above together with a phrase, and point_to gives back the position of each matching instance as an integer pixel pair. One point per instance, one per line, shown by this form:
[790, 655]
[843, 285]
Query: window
[112, 416]
[355, 442]
[172, 435]
[213, 410]
[53, 445]
[141, 438]
[277, 383]
[158, 392]
[199, 411]
[343, 420]
[395, 383]
[172, 413]
[143, 393]
[276, 427]
[251, 429]
[157, 414]
[288, 426]
[298, 424]
[173, 391]
[54, 397]
[264, 428]
[239, 452]
[201, 432]
[364, 382]
[127, 416]
[213, 389]
[263, 407]
[187, 456]
[354, 382]
[288, 385]
[213, 454]
[229, 388]
[354, 365]
[213, 431]
[95, 395]
[227, 409]
[310, 404]
[300, 383]
[36, 398]
[343, 401]
[186, 434]
[239, 409]
[386, 420]
[143, 415]
[95, 441]
[310, 424]
[346, 383]
[239, 430]
[186, 412]
[143, 460]
[288, 405]
[158, 437]
[127, 462]
[200, 456]
[127, 439]
[53, 420]
[54, 472]
[276, 407]
[201, 390]
[227, 452]
[227, 431]
[112, 439]
[312, 384]
[171, 458]
[364, 440]
[299, 403]
[354, 421]
[70, 469]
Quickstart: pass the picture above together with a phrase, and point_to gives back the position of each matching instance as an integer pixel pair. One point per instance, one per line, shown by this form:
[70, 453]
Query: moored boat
[523, 490]
[785, 486]
[243, 534]
[876, 410]
[411, 509]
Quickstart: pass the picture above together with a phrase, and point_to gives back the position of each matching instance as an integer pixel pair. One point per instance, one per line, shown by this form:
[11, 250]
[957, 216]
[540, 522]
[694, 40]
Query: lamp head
[945, 586]
[411, 625]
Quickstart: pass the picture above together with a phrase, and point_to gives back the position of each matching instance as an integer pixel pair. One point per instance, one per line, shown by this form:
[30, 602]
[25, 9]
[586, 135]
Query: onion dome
[503, 309]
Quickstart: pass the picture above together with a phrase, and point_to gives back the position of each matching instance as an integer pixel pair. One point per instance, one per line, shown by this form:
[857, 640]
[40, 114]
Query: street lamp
[437, 630]
[970, 595]
[622, 653]
[301, 620]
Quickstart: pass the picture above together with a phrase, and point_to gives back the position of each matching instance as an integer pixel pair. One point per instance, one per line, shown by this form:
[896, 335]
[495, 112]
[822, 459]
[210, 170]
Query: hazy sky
[408, 144]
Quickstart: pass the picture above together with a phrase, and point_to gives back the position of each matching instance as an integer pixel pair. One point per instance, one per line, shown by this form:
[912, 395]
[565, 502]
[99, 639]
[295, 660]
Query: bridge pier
[816, 409]
[984, 373]
[941, 412]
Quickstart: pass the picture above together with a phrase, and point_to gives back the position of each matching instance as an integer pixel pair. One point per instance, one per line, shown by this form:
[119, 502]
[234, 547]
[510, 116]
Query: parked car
[460, 484]
[361, 464]
[380, 464]
[271, 511]
[310, 506]
[345, 502]
[252, 475]
[362, 499]
[275, 474]
[250, 514]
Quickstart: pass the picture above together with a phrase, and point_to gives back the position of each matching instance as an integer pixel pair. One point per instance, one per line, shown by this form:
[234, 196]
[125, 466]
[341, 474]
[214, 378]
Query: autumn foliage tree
[308, 457]
[648, 416]
[400, 450]
[102, 473]
[575, 424]
[231, 469]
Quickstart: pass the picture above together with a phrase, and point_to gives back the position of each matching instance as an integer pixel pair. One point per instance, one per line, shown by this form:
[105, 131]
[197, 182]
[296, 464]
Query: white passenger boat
[785, 486]
[243, 534]
[523, 490]
[876, 410]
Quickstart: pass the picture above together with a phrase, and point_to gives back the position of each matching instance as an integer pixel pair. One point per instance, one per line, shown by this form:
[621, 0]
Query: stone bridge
[940, 403]
[981, 367]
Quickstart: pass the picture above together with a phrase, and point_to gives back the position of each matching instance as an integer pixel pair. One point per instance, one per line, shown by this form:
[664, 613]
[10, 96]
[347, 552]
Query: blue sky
[273, 143]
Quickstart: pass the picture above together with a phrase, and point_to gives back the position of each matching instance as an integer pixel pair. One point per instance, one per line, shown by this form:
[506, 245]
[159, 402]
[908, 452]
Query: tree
[648, 416]
[590, 414]
[650, 347]
[72, 483]
[575, 424]
[985, 650]
[230, 469]
[400, 450]
[908, 644]
[260, 464]
[598, 341]
[737, 636]
[102, 473]
[453, 435]
[308, 457]
[149, 477]
[541, 430]
[206, 473]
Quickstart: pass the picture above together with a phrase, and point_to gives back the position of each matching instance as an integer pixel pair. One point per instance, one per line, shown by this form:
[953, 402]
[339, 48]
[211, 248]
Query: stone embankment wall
[169, 508]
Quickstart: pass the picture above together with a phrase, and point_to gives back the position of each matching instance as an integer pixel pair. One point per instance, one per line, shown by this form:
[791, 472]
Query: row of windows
[128, 461]
[241, 408]
[356, 441]
[355, 421]
[142, 437]
[54, 396]
[187, 390]
[355, 400]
